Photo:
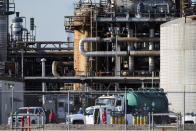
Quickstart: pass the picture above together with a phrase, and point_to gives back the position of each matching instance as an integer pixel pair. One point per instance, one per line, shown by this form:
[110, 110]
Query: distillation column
[3, 34]
[3, 37]
[80, 61]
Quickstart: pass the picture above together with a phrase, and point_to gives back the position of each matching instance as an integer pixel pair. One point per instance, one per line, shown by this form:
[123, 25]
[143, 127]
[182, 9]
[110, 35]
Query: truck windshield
[106, 101]
[89, 112]
[24, 111]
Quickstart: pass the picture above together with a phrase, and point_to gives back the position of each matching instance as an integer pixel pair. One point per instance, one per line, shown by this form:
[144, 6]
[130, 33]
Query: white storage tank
[178, 63]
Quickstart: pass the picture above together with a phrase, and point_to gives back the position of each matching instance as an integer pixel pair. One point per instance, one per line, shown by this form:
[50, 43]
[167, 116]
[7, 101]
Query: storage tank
[178, 63]
[147, 99]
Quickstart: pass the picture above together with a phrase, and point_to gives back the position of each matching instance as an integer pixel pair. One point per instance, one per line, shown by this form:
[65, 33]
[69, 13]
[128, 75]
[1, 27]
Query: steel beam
[81, 79]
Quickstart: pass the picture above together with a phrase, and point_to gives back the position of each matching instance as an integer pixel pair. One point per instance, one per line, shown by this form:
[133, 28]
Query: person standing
[51, 117]
[80, 111]
[103, 116]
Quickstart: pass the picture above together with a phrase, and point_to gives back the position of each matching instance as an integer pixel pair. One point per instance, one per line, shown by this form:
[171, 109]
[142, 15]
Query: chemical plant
[120, 47]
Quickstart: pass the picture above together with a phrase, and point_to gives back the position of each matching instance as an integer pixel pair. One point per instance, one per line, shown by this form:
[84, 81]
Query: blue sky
[49, 16]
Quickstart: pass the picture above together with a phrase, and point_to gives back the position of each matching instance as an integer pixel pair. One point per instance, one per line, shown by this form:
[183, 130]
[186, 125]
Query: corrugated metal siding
[3, 37]
[178, 62]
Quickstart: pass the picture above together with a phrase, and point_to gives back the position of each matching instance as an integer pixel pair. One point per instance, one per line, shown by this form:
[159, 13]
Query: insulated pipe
[98, 53]
[151, 48]
[118, 53]
[130, 48]
[55, 65]
[144, 53]
[43, 60]
[137, 39]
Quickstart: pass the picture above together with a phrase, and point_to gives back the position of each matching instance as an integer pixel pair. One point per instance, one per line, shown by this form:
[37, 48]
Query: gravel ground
[63, 127]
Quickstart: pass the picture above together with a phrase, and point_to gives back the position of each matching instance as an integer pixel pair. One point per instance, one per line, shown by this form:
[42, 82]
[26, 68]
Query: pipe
[56, 64]
[43, 60]
[144, 53]
[22, 63]
[110, 53]
[151, 48]
[98, 53]
[136, 39]
[130, 48]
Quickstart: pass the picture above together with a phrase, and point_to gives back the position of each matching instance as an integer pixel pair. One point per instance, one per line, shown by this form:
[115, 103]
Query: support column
[43, 60]
[22, 63]
[117, 61]
[130, 47]
[151, 47]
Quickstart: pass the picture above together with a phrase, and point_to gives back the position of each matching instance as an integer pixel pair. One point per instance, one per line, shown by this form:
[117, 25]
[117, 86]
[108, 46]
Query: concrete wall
[6, 98]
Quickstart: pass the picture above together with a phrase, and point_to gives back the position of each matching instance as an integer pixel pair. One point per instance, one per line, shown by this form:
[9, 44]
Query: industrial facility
[118, 45]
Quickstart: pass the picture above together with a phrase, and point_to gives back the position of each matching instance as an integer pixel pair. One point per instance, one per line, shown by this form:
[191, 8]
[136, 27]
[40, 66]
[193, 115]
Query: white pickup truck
[36, 114]
[190, 118]
[93, 113]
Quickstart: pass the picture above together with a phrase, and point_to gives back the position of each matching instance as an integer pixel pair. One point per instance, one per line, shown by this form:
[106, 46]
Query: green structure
[147, 100]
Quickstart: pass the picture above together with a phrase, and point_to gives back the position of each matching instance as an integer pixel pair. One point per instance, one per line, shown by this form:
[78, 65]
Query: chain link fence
[147, 108]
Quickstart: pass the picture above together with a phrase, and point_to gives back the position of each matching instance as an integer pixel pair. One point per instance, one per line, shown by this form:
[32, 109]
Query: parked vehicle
[137, 103]
[36, 114]
[92, 115]
[190, 118]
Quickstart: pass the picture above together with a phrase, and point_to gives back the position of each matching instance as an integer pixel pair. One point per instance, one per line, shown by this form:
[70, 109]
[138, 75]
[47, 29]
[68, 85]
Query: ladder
[124, 3]
[103, 5]
[103, 2]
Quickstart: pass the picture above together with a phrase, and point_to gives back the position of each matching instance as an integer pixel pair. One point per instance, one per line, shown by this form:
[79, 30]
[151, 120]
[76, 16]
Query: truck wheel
[78, 122]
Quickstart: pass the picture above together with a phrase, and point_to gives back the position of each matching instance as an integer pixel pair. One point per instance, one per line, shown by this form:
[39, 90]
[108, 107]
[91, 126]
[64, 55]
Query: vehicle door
[40, 112]
[90, 116]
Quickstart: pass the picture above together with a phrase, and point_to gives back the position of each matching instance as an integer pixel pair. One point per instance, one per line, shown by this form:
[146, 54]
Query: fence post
[149, 121]
[12, 121]
[43, 122]
[184, 111]
[152, 122]
[125, 108]
[68, 108]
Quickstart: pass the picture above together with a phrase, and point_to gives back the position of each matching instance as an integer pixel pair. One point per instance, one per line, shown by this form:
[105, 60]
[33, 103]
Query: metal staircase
[124, 3]
[103, 2]
[103, 5]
